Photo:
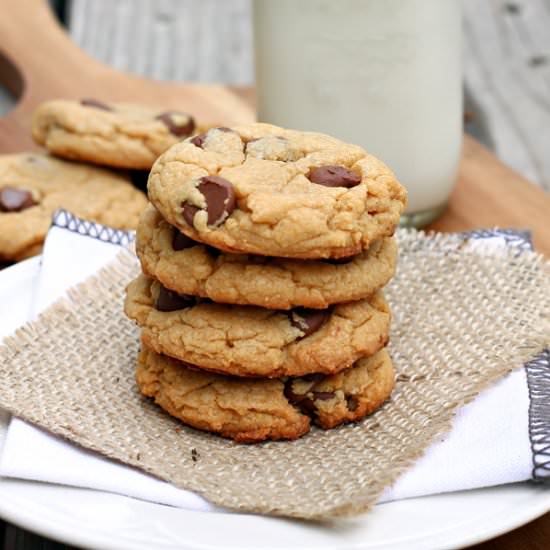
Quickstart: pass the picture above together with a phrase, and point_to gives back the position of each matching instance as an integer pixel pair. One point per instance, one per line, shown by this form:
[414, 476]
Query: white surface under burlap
[444, 354]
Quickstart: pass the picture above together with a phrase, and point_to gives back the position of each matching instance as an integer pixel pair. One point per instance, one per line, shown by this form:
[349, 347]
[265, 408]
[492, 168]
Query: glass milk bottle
[384, 74]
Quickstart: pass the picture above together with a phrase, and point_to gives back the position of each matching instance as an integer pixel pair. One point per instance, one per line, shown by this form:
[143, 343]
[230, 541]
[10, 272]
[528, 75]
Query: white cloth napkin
[488, 444]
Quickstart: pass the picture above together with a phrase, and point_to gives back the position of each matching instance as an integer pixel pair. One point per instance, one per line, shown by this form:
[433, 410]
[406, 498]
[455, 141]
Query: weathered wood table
[487, 193]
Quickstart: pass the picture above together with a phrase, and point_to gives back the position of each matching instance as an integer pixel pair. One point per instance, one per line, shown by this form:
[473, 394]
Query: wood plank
[207, 41]
[533, 536]
[489, 194]
[72, 74]
[507, 69]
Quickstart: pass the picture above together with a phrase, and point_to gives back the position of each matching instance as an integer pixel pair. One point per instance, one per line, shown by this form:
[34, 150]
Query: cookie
[251, 410]
[34, 186]
[113, 134]
[189, 267]
[260, 189]
[253, 341]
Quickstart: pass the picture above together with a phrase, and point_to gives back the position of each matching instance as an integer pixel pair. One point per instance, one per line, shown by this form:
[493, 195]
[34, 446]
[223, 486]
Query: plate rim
[89, 537]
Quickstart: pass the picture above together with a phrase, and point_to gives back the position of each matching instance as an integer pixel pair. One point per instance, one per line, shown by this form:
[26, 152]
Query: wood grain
[489, 194]
[507, 69]
[206, 41]
[72, 74]
[533, 536]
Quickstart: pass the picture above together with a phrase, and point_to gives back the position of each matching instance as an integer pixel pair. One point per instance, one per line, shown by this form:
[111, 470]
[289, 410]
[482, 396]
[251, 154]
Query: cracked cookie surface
[121, 135]
[189, 267]
[253, 341]
[252, 410]
[34, 186]
[260, 189]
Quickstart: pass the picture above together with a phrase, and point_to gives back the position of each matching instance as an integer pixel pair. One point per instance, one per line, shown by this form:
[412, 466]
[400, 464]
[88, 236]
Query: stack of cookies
[264, 252]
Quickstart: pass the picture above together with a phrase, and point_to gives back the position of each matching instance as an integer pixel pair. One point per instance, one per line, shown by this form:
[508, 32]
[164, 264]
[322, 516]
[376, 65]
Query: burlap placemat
[462, 319]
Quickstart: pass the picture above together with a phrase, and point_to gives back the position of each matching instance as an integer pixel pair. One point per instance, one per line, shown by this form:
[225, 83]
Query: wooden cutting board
[38, 61]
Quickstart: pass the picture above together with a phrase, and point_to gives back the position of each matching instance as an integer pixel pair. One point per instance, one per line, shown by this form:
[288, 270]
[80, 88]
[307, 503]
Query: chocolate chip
[334, 176]
[293, 397]
[308, 320]
[304, 401]
[198, 140]
[323, 395]
[13, 199]
[179, 124]
[181, 241]
[220, 200]
[290, 395]
[352, 403]
[96, 104]
[306, 404]
[172, 301]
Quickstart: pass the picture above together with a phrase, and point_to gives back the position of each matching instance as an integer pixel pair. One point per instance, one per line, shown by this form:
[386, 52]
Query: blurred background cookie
[34, 186]
[120, 135]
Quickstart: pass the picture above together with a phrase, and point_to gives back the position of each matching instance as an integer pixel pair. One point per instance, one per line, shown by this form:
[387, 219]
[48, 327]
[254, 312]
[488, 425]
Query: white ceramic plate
[103, 520]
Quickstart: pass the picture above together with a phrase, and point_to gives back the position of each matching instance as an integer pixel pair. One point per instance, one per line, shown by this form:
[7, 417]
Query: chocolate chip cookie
[113, 134]
[260, 189]
[189, 267]
[251, 410]
[253, 341]
[33, 186]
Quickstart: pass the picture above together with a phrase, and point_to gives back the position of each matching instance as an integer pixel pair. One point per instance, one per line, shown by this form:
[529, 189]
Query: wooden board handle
[38, 61]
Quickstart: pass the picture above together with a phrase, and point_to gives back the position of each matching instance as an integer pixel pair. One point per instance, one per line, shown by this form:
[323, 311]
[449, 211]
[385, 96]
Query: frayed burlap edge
[462, 320]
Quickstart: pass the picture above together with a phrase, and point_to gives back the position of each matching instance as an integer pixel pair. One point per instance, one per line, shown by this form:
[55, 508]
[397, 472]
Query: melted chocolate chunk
[96, 104]
[306, 405]
[323, 395]
[198, 140]
[306, 401]
[334, 176]
[290, 395]
[308, 320]
[14, 199]
[300, 400]
[181, 241]
[220, 200]
[172, 301]
[352, 403]
[179, 124]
